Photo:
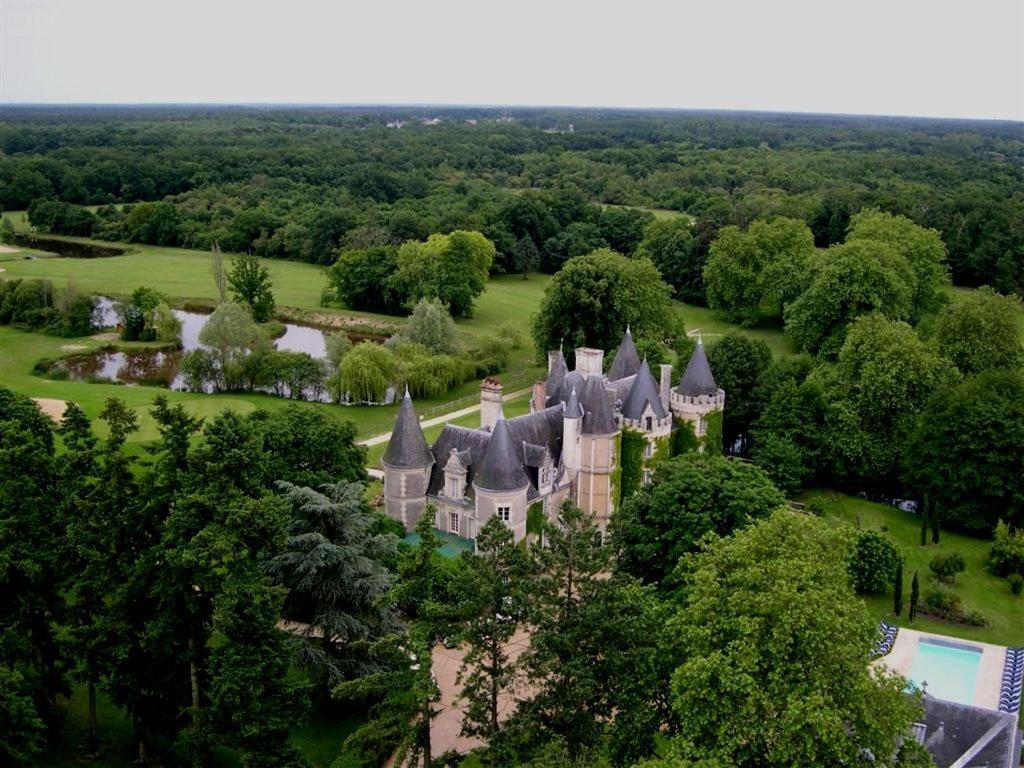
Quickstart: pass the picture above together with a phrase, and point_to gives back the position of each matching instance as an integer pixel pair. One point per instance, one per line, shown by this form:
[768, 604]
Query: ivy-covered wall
[683, 439]
[535, 518]
[662, 451]
[713, 436]
[631, 463]
[616, 474]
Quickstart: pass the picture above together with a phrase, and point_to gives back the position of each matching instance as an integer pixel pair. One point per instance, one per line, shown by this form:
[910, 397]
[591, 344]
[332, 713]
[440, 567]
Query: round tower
[407, 463]
[697, 395]
[572, 419]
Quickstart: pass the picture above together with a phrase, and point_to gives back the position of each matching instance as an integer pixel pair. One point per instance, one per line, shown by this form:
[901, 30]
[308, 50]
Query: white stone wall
[487, 503]
[405, 494]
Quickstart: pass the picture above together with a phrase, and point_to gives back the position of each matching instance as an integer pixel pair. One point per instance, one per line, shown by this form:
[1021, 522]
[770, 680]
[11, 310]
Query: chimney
[540, 398]
[666, 385]
[490, 402]
[589, 361]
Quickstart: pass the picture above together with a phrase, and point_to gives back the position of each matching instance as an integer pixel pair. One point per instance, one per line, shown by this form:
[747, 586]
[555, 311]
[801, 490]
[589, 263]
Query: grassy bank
[978, 589]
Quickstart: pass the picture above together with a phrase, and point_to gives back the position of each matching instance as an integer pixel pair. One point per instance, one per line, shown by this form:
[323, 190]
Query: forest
[300, 183]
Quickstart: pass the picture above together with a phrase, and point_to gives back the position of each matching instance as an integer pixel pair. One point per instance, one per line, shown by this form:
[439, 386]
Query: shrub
[946, 566]
[432, 326]
[944, 604]
[816, 506]
[166, 326]
[872, 563]
[512, 331]
[1016, 583]
[1007, 553]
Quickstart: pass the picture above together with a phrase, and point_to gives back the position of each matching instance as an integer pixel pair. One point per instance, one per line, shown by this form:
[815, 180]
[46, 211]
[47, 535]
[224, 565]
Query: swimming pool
[949, 669]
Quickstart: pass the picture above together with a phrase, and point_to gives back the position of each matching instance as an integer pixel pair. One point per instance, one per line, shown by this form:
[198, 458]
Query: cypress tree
[935, 527]
[915, 591]
[897, 591]
[924, 524]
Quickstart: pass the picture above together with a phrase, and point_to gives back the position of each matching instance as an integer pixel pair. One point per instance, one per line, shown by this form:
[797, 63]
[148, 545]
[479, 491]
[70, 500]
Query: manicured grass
[978, 589]
[711, 327]
[659, 213]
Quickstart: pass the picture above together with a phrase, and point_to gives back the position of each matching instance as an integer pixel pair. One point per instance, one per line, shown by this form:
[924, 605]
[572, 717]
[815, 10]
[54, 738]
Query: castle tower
[627, 361]
[572, 422]
[697, 395]
[490, 402]
[406, 462]
[598, 456]
[501, 485]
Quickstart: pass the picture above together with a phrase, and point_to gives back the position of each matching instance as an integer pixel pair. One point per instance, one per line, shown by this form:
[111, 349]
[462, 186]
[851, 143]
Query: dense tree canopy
[451, 268]
[690, 496]
[850, 280]
[768, 625]
[739, 362]
[981, 331]
[300, 183]
[592, 300]
[751, 276]
[967, 451]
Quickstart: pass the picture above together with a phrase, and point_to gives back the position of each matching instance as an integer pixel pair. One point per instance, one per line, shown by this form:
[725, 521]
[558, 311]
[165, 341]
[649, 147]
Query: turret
[697, 394]
[572, 419]
[627, 361]
[407, 463]
[501, 483]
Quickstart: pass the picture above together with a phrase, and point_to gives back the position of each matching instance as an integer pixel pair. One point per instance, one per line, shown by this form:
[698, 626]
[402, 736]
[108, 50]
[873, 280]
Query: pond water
[161, 367]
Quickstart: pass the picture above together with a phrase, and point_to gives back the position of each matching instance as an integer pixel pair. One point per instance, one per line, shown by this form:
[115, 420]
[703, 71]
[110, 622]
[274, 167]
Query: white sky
[955, 58]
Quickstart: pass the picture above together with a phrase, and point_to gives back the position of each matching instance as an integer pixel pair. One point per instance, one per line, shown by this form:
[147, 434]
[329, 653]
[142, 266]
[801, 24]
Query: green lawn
[659, 213]
[978, 589]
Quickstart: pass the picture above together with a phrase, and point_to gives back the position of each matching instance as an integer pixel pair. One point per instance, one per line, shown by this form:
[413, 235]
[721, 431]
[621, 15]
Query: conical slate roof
[573, 410]
[627, 361]
[598, 418]
[556, 376]
[644, 390]
[407, 448]
[697, 379]
[500, 468]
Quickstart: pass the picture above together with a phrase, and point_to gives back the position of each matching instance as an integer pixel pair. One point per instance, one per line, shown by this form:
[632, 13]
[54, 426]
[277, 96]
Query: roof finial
[561, 340]
[627, 330]
[407, 396]
[700, 338]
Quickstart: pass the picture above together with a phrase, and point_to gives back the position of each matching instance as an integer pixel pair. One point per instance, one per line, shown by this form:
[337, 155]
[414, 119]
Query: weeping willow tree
[367, 371]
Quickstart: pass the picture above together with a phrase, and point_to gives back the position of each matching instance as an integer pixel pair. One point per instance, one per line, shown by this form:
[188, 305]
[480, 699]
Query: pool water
[951, 672]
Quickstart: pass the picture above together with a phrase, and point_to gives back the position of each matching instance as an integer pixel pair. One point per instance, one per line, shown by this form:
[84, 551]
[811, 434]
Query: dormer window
[650, 423]
[453, 487]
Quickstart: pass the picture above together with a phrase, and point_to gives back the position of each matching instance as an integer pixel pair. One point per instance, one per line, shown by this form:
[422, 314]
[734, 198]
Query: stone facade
[565, 448]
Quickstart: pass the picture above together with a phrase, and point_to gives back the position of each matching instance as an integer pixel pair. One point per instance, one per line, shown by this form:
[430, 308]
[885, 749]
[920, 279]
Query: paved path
[376, 439]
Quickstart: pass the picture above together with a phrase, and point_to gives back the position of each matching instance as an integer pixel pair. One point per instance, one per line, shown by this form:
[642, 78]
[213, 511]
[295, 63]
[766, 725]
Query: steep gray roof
[556, 376]
[407, 448]
[543, 427]
[573, 409]
[952, 730]
[470, 443]
[598, 418]
[644, 390]
[501, 468]
[697, 379]
[627, 361]
[573, 379]
[533, 455]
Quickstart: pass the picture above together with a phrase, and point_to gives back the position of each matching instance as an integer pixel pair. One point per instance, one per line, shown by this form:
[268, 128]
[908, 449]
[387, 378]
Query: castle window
[702, 427]
[453, 523]
[648, 450]
[504, 514]
[650, 424]
[647, 476]
[453, 487]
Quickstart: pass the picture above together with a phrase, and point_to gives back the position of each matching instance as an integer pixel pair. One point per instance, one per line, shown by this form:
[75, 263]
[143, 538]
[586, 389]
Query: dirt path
[51, 407]
[377, 439]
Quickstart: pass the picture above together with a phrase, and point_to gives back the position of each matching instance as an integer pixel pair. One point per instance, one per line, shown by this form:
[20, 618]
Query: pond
[162, 367]
[67, 248]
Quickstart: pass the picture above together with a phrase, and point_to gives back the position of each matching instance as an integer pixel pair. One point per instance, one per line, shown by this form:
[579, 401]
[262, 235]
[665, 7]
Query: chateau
[567, 447]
